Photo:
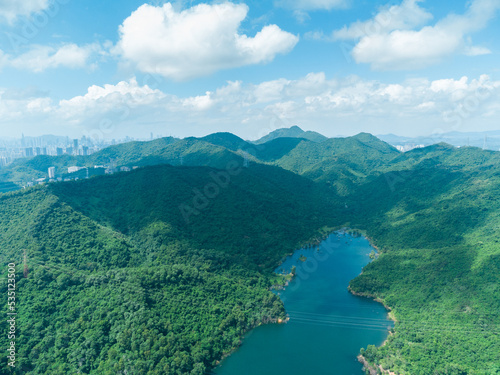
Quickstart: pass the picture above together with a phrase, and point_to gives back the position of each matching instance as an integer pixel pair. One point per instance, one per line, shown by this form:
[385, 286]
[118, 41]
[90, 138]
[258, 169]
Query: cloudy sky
[107, 69]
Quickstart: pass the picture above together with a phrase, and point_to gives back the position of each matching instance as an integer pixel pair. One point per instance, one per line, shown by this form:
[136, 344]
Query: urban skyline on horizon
[152, 136]
[57, 145]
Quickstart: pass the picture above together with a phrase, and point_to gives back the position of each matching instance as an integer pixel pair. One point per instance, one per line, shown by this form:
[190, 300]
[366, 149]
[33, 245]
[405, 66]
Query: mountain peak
[292, 132]
[365, 136]
[228, 140]
[296, 128]
[374, 142]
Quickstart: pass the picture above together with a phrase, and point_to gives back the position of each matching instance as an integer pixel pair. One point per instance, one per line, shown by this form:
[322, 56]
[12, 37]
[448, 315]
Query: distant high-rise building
[38, 151]
[75, 145]
[52, 172]
[59, 151]
[28, 152]
[85, 150]
[69, 150]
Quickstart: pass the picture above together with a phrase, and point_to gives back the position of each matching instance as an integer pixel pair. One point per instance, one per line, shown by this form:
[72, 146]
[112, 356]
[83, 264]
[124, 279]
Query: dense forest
[122, 281]
[438, 225]
[161, 270]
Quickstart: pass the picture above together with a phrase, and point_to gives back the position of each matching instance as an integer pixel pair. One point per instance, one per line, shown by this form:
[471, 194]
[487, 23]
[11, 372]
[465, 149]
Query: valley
[162, 270]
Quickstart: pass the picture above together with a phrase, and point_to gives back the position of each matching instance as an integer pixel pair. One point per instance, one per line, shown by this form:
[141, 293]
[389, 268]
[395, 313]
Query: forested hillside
[292, 132]
[122, 281]
[179, 258]
[189, 151]
[438, 224]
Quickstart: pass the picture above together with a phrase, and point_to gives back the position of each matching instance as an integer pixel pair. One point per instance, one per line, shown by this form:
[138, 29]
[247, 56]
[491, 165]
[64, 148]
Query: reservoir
[328, 325]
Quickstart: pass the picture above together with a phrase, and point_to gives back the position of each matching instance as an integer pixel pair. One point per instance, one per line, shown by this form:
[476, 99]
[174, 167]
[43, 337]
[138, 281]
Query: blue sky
[107, 69]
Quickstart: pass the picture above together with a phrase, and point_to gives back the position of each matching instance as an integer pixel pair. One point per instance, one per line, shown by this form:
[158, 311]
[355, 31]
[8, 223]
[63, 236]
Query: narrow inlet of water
[328, 325]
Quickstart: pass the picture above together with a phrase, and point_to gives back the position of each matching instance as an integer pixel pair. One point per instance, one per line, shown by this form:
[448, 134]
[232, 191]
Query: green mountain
[435, 216]
[215, 150]
[160, 270]
[189, 151]
[292, 132]
[227, 140]
[164, 268]
[182, 196]
[274, 150]
[5, 187]
[338, 162]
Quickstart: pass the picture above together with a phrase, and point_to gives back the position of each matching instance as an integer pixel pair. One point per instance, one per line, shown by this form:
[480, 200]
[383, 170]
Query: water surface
[327, 326]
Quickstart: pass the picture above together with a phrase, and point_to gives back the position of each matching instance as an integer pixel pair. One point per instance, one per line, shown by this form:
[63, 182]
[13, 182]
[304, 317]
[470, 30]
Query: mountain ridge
[174, 234]
[292, 132]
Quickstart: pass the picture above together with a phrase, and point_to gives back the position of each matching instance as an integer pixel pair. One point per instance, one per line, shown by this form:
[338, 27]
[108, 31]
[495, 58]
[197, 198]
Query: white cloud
[368, 96]
[108, 97]
[426, 106]
[23, 105]
[307, 5]
[388, 41]
[313, 83]
[405, 16]
[476, 51]
[198, 41]
[41, 58]
[331, 106]
[450, 85]
[199, 103]
[39, 105]
[406, 49]
[271, 90]
[11, 9]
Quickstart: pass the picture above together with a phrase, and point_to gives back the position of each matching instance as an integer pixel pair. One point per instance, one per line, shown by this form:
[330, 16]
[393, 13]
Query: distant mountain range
[489, 140]
[308, 153]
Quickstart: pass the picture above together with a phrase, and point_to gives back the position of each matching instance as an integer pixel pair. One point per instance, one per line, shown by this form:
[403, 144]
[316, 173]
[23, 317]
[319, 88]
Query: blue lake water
[328, 325]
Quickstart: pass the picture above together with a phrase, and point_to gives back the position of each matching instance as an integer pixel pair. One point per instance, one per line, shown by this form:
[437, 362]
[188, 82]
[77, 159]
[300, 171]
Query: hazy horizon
[147, 137]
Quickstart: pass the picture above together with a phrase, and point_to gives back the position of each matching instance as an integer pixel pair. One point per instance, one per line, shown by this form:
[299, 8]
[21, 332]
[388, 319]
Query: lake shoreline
[270, 321]
[367, 367]
[290, 275]
[372, 369]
